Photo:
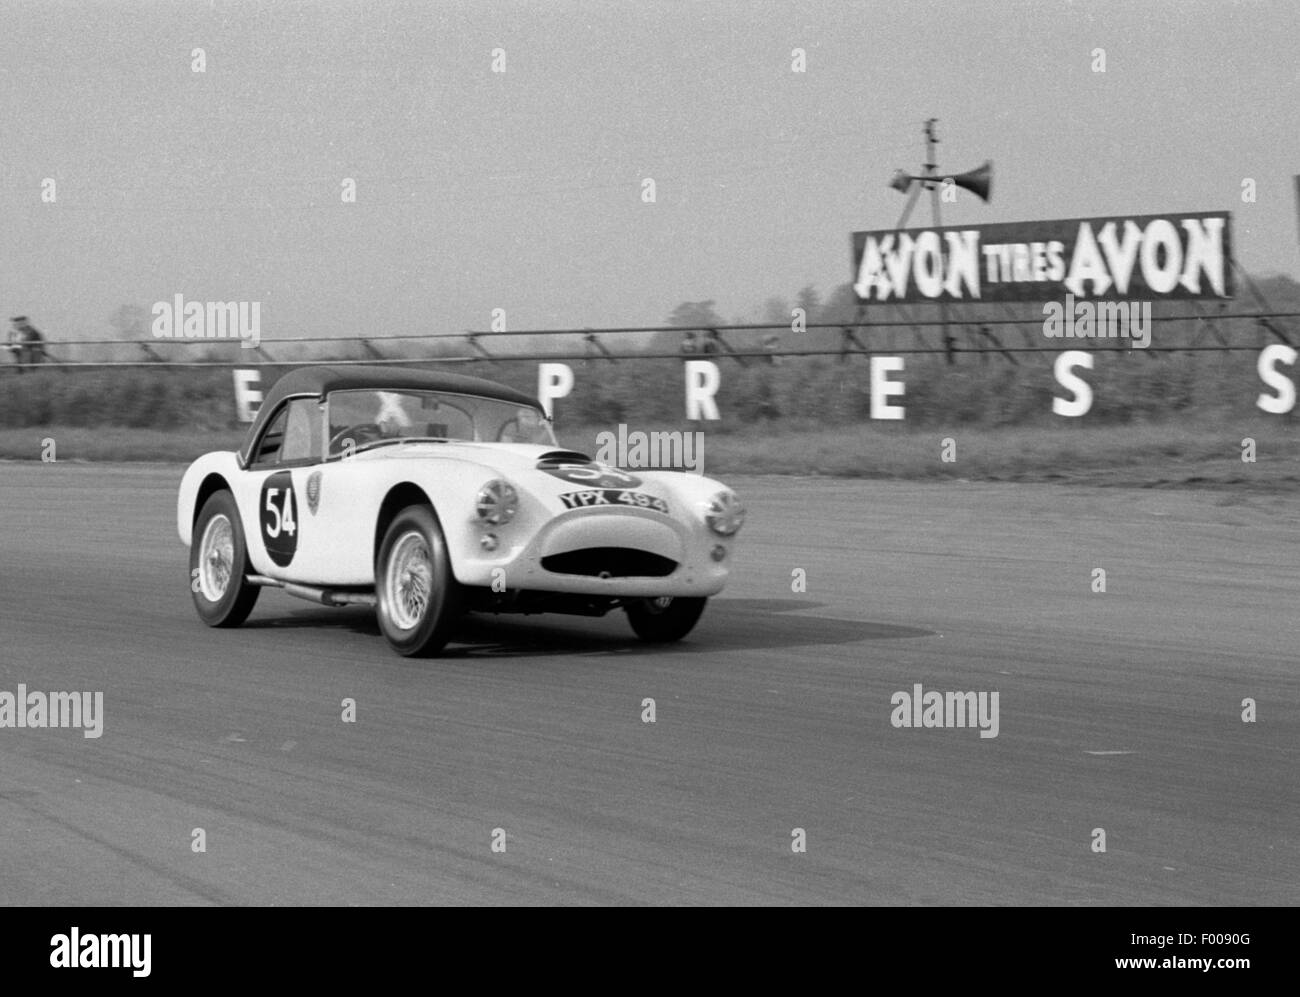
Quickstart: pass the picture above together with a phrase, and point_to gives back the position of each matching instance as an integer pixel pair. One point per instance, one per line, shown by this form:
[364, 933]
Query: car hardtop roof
[320, 381]
[324, 379]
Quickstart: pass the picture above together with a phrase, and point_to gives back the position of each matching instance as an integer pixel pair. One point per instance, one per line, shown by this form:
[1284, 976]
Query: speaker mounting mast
[978, 181]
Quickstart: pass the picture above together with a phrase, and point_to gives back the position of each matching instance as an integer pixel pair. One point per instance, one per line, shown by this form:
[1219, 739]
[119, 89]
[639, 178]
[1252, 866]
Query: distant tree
[776, 311]
[1279, 290]
[695, 315]
[809, 300]
[839, 307]
[130, 322]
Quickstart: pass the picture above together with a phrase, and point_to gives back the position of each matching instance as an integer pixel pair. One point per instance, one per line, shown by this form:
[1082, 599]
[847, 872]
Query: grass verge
[1155, 454]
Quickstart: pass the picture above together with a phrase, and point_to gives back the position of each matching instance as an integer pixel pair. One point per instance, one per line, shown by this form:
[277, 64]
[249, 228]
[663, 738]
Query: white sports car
[427, 494]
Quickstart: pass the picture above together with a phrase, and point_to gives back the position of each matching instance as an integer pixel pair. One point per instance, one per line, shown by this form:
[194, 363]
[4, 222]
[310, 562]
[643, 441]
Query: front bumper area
[519, 567]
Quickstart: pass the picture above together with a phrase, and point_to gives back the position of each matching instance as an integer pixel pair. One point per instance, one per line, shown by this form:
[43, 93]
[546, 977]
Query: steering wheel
[509, 432]
[361, 432]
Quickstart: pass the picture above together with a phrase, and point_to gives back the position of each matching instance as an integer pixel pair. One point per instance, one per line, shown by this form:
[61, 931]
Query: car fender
[219, 463]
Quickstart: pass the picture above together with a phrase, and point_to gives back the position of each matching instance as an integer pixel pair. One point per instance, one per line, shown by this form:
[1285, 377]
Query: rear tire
[419, 600]
[219, 564]
[666, 619]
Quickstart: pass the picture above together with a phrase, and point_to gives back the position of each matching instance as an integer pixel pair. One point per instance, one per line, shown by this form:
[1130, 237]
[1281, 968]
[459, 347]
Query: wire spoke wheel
[410, 580]
[219, 586]
[418, 600]
[216, 558]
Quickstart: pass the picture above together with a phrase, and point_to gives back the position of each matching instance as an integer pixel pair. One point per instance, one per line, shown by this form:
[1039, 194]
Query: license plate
[592, 497]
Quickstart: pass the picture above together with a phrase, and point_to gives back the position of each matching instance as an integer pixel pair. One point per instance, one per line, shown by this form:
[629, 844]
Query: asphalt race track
[1119, 711]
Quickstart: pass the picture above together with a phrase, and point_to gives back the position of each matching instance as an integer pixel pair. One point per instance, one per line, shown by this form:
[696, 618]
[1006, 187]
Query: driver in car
[392, 418]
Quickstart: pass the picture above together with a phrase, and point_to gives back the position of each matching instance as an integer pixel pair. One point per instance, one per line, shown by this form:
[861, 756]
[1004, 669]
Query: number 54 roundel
[279, 516]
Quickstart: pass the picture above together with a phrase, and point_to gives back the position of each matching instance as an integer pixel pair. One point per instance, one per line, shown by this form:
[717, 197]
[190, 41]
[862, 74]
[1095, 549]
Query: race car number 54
[610, 496]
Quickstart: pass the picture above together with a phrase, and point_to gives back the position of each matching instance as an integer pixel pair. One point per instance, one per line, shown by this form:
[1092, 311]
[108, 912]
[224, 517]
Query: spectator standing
[26, 342]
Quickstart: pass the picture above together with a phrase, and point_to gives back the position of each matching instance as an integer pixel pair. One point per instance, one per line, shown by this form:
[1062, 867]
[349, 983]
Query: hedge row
[1129, 386]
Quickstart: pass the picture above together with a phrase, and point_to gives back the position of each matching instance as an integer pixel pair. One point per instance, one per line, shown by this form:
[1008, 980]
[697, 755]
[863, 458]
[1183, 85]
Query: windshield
[362, 418]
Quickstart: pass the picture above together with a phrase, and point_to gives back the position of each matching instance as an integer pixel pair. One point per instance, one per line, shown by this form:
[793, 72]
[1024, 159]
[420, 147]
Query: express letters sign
[1125, 256]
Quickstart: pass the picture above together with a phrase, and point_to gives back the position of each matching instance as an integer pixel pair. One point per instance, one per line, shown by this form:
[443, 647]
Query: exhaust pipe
[333, 598]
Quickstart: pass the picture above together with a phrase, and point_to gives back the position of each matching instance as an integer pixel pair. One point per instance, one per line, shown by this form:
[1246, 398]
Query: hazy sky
[479, 190]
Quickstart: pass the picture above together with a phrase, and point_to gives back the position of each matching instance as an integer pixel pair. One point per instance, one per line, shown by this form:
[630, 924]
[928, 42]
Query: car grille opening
[610, 562]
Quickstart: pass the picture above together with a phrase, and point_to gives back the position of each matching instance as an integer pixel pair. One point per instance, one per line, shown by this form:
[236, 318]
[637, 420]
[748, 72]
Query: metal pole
[931, 181]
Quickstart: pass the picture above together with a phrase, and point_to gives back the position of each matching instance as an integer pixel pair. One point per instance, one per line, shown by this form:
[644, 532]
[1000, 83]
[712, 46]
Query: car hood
[543, 470]
[505, 457]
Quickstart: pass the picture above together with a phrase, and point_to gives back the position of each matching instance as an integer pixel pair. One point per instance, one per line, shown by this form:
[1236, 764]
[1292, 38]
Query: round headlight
[496, 503]
[725, 514]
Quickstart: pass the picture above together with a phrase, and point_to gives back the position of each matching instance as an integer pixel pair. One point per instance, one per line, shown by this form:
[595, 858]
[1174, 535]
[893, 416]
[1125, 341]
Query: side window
[268, 448]
[302, 434]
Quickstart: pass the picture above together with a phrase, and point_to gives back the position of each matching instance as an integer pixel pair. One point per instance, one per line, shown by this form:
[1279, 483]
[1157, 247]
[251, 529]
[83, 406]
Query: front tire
[419, 600]
[666, 619]
[219, 564]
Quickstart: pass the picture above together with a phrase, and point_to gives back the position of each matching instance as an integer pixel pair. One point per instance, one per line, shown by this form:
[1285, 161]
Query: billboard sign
[1148, 257]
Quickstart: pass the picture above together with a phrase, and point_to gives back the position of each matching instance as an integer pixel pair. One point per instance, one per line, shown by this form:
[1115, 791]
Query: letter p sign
[554, 380]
